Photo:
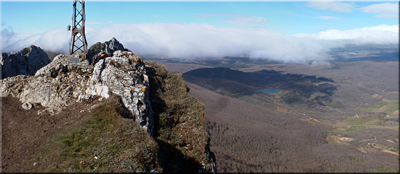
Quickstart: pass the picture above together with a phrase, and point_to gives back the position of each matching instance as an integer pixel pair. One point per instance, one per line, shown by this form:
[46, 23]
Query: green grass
[356, 159]
[119, 145]
[357, 128]
[313, 122]
[340, 130]
[354, 128]
[391, 106]
[360, 121]
[331, 140]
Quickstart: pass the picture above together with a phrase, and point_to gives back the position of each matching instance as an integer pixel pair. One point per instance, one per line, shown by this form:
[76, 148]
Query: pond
[270, 91]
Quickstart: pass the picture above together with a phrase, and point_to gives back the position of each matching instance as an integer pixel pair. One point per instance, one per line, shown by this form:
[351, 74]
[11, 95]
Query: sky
[294, 31]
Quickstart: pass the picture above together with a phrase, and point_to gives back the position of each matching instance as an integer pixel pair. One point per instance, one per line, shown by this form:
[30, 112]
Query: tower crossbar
[78, 36]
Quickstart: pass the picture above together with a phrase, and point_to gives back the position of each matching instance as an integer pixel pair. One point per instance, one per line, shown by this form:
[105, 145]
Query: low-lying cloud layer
[204, 40]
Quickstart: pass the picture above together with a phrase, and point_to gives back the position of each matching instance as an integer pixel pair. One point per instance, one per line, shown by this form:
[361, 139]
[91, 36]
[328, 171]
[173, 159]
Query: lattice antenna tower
[78, 38]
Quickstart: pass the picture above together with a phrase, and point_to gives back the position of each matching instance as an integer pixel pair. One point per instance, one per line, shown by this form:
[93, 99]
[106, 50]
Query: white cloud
[238, 19]
[204, 40]
[382, 34]
[328, 18]
[6, 35]
[384, 10]
[332, 5]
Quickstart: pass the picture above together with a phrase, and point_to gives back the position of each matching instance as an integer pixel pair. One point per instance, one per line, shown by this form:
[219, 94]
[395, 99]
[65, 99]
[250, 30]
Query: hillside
[251, 131]
[56, 128]
[250, 138]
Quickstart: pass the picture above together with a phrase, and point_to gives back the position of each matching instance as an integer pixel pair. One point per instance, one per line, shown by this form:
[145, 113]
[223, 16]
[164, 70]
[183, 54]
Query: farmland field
[387, 106]
[360, 121]
[357, 128]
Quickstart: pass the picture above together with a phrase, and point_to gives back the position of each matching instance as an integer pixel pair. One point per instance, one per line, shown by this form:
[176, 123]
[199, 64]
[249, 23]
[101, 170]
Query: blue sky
[31, 21]
[287, 17]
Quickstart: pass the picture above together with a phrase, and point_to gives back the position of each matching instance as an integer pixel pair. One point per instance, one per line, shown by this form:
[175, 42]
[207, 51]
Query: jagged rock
[7, 67]
[124, 75]
[25, 62]
[108, 46]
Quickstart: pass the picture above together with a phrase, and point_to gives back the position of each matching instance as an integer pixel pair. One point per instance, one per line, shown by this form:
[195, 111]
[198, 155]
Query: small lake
[270, 91]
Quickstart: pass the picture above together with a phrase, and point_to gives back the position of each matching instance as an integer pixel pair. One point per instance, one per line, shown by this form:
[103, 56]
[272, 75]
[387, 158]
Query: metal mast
[78, 37]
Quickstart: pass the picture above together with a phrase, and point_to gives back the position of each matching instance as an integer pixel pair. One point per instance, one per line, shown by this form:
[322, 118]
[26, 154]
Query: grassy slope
[118, 144]
[104, 141]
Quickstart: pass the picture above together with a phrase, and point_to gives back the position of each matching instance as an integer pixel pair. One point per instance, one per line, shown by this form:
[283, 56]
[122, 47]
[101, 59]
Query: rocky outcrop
[61, 83]
[25, 62]
[179, 131]
[108, 46]
[124, 74]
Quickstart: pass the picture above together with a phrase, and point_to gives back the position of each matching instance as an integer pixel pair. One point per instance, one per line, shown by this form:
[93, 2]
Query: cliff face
[155, 99]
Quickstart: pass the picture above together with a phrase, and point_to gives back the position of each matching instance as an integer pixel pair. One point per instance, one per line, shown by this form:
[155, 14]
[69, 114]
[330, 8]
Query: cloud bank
[382, 34]
[204, 40]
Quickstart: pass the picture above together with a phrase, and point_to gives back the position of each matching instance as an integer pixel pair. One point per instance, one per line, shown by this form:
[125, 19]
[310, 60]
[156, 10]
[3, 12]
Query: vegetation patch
[313, 122]
[360, 121]
[350, 129]
[356, 159]
[340, 130]
[332, 140]
[356, 128]
[180, 124]
[279, 109]
[387, 106]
